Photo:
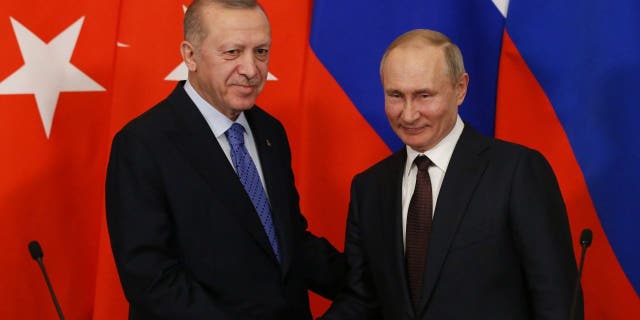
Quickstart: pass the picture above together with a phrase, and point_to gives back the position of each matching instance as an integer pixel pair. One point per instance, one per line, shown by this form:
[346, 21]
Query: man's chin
[415, 143]
[244, 105]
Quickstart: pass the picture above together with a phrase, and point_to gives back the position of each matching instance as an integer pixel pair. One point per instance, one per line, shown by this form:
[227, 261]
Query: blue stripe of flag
[586, 56]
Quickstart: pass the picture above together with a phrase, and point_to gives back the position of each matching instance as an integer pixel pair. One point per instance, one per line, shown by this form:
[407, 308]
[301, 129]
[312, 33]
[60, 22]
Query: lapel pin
[268, 143]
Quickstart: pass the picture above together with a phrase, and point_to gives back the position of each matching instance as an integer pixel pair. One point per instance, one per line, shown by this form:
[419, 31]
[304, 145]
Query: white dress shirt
[440, 155]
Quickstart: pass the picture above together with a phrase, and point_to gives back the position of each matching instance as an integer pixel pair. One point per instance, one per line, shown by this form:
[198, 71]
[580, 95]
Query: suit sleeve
[358, 300]
[543, 238]
[142, 237]
[324, 266]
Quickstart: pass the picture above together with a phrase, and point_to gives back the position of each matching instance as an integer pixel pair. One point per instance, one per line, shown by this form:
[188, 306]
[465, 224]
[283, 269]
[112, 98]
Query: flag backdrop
[559, 76]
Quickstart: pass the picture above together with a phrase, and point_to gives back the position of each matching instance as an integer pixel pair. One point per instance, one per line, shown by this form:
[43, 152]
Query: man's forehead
[414, 59]
[218, 9]
[225, 20]
[417, 48]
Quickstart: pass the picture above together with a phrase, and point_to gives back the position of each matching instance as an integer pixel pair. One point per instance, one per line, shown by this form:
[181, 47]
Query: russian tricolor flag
[558, 76]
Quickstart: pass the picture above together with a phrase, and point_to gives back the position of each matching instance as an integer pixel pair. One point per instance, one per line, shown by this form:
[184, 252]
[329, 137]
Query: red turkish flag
[55, 80]
[73, 74]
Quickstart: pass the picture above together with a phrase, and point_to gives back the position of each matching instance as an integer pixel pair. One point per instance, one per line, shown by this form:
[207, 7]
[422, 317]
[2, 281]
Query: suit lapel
[194, 139]
[390, 199]
[272, 164]
[463, 174]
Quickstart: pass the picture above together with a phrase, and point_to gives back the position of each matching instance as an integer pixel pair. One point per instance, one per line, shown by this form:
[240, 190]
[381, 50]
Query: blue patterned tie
[250, 179]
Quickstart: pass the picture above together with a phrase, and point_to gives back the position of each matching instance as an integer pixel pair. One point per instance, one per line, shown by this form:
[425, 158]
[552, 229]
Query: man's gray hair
[194, 31]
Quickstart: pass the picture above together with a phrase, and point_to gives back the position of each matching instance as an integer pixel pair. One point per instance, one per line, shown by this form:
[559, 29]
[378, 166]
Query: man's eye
[262, 53]
[232, 52]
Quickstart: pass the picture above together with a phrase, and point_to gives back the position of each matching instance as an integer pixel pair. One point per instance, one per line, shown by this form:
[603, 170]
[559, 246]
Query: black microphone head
[585, 237]
[35, 250]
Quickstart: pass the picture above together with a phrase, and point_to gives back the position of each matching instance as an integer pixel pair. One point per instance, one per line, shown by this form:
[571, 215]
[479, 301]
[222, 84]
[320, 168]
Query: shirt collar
[441, 153]
[218, 122]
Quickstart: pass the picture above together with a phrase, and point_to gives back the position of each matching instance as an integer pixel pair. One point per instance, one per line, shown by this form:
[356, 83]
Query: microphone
[36, 254]
[586, 236]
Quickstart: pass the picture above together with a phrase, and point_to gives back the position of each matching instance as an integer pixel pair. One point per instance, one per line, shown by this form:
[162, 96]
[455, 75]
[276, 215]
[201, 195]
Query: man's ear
[188, 52]
[461, 87]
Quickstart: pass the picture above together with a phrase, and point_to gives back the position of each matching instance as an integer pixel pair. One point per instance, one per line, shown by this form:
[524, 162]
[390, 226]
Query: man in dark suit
[202, 208]
[455, 225]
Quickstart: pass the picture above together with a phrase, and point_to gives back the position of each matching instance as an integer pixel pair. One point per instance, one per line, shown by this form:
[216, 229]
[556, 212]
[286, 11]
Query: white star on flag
[47, 70]
[180, 72]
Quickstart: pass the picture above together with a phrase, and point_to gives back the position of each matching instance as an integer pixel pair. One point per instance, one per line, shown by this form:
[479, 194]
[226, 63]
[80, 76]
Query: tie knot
[235, 135]
[423, 162]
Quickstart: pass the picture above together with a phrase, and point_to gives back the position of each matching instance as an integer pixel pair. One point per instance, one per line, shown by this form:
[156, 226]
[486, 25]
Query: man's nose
[247, 65]
[409, 112]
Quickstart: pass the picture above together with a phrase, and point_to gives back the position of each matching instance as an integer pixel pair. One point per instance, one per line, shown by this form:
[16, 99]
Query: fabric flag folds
[55, 82]
[567, 75]
[559, 76]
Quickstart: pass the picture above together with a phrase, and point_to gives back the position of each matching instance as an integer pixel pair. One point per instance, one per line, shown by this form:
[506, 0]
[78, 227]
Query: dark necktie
[418, 228]
[250, 179]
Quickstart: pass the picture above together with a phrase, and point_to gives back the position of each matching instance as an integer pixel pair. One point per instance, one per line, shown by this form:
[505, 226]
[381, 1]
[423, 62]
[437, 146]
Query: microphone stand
[585, 241]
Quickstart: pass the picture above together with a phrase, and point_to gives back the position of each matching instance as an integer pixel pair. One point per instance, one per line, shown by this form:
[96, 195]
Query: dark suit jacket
[500, 246]
[187, 241]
